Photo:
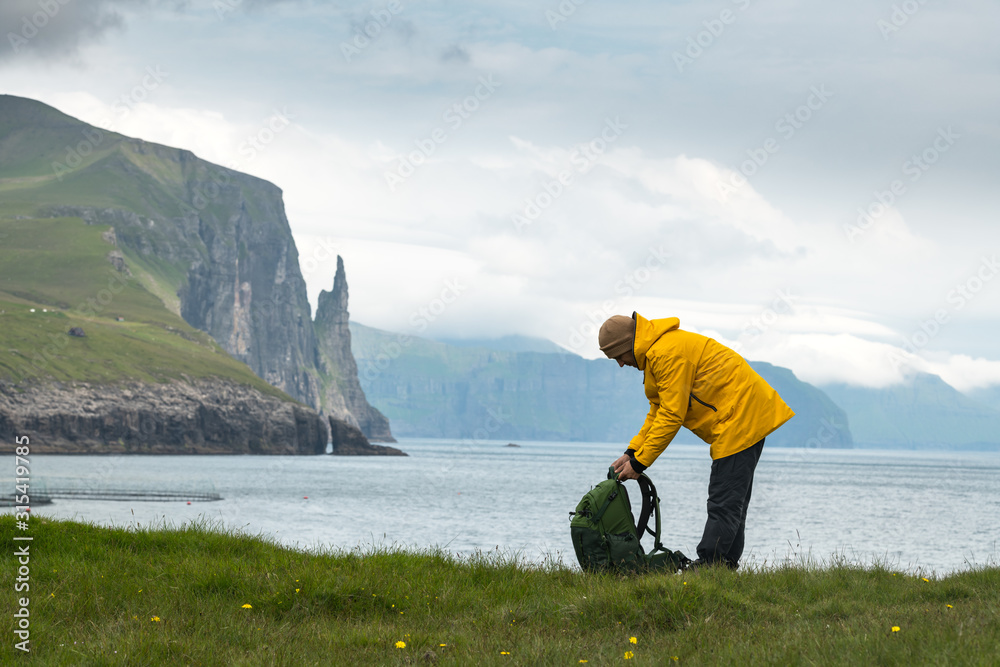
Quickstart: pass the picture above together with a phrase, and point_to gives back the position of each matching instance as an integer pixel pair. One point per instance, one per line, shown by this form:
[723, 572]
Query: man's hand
[623, 467]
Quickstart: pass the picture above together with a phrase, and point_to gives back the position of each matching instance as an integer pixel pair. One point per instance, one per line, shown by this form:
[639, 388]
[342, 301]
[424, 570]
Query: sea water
[913, 510]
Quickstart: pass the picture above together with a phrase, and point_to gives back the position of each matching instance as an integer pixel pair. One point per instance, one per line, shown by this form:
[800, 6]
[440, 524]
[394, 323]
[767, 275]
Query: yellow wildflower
[629, 655]
[248, 606]
[895, 628]
[504, 652]
[633, 640]
[400, 644]
[925, 579]
[442, 644]
[949, 606]
[155, 619]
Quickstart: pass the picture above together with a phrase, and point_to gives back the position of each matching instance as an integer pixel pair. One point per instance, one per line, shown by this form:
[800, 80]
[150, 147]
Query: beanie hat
[616, 336]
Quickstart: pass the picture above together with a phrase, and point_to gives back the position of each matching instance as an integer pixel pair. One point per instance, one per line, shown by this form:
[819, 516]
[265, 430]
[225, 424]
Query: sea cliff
[195, 417]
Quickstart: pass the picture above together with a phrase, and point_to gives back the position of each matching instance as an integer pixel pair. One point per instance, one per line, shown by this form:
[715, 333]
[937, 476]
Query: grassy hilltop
[200, 596]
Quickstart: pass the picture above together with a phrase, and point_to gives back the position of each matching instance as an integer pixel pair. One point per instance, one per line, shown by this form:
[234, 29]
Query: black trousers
[729, 489]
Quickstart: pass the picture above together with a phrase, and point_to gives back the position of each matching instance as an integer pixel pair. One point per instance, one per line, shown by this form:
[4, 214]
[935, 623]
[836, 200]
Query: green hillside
[55, 274]
[96, 226]
[50, 161]
[204, 245]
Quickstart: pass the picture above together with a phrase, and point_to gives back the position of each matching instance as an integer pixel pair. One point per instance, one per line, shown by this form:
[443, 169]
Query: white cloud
[834, 358]
[966, 373]
[587, 253]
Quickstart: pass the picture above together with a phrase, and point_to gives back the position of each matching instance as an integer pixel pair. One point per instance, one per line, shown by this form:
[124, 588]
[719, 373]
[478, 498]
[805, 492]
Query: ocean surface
[912, 510]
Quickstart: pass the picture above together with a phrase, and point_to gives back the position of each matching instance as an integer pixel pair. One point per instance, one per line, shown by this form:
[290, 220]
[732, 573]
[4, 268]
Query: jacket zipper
[711, 407]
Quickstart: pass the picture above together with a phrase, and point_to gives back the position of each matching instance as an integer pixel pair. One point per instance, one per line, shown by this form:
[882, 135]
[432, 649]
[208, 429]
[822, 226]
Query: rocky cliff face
[212, 243]
[347, 440]
[241, 284]
[199, 417]
[342, 395]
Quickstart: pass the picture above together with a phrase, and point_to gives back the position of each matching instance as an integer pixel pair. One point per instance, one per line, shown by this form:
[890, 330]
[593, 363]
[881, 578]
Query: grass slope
[172, 596]
[60, 265]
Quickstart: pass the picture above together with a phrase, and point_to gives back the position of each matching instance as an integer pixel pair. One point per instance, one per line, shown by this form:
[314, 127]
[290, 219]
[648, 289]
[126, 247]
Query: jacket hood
[648, 332]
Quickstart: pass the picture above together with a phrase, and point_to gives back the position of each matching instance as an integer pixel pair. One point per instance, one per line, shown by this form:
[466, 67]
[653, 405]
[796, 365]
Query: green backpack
[605, 535]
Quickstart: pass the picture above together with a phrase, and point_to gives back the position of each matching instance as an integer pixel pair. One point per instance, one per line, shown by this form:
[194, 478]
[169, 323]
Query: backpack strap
[650, 505]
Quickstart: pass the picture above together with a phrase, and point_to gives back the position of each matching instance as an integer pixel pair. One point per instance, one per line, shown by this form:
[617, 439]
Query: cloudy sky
[811, 183]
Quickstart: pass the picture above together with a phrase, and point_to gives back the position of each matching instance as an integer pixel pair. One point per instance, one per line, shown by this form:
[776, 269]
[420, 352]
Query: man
[696, 382]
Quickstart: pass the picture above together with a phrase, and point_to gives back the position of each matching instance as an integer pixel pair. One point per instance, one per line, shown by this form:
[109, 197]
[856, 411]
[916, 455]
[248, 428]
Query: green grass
[36, 346]
[62, 263]
[95, 592]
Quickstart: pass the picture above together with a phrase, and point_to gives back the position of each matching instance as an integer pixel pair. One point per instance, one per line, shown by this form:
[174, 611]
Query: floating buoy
[305, 497]
[189, 502]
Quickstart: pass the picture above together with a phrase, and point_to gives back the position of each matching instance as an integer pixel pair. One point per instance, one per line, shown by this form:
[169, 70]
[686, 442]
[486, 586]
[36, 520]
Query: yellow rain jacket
[693, 381]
